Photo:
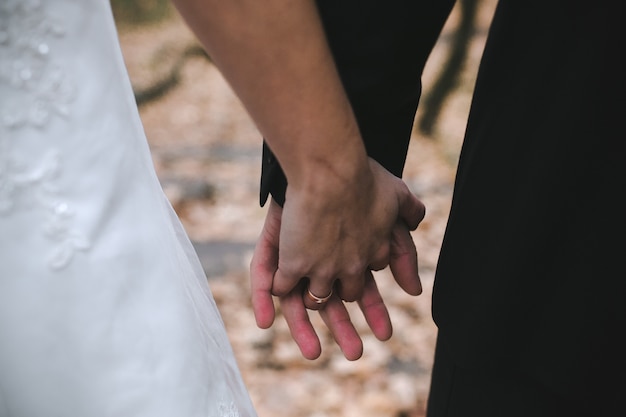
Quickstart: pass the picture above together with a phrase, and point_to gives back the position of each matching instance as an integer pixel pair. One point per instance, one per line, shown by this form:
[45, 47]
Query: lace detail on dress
[39, 91]
[228, 410]
[25, 64]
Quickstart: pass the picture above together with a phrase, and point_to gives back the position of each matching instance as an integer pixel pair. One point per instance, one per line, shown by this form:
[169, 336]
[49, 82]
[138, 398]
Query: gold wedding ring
[316, 299]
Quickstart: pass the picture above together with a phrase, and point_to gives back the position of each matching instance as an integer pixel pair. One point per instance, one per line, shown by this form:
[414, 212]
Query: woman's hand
[333, 236]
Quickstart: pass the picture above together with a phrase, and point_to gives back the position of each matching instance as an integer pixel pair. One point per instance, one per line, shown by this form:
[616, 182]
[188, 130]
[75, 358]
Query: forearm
[275, 56]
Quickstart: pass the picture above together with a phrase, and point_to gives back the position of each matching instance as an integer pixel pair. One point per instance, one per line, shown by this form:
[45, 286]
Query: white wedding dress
[104, 307]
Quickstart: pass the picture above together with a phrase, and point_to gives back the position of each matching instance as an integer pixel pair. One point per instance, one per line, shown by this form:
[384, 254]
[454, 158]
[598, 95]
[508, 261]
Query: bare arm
[275, 56]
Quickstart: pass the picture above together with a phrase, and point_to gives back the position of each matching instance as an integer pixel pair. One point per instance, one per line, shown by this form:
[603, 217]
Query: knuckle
[354, 268]
[294, 269]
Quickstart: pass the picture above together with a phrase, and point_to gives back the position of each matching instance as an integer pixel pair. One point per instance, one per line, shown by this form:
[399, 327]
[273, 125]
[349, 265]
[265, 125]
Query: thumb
[411, 210]
[263, 267]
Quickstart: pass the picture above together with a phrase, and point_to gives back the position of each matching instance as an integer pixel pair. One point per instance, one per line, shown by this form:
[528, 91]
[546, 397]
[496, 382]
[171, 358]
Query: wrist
[331, 182]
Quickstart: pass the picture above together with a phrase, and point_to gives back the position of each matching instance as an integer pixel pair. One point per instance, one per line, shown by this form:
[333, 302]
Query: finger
[300, 326]
[381, 258]
[317, 293]
[262, 268]
[374, 309]
[284, 283]
[350, 288]
[411, 210]
[345, 335]
[403, 260]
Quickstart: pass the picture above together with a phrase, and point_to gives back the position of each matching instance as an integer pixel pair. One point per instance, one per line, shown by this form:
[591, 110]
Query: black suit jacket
[531, 273]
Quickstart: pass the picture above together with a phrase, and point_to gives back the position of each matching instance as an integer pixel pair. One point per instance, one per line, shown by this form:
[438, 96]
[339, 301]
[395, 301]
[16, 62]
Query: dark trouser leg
[460, 392]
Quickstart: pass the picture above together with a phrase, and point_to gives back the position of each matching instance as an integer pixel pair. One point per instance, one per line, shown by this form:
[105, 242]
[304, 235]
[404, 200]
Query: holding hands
[326, 245]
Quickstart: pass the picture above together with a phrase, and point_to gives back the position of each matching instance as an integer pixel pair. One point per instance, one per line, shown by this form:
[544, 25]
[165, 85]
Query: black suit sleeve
[380, 49]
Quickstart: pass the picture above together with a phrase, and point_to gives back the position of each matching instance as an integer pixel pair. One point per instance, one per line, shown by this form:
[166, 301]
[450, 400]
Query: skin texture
[344, 214]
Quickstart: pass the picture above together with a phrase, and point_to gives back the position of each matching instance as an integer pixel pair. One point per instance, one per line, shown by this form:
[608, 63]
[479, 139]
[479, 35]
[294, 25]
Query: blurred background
[207, 153]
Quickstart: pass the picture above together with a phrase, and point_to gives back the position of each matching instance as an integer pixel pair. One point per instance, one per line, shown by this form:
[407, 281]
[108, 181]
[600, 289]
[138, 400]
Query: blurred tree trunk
[449, 76]
[164, 85]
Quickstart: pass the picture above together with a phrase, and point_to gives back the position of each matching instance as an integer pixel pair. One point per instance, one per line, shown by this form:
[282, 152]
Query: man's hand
[401, 257]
